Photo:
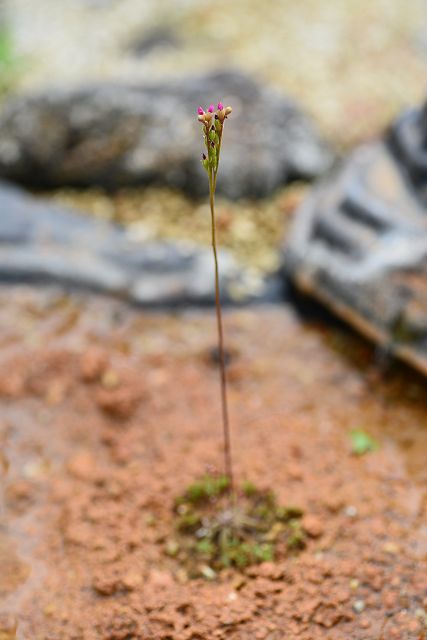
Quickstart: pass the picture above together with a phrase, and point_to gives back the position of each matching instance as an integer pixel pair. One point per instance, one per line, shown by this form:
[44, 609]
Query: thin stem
[223, 377]
[217, 162]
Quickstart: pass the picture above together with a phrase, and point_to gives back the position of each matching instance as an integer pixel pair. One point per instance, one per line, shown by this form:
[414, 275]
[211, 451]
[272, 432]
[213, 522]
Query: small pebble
[389, 600]
[358, 606]
[313, 526]
[365, 623]
[207, 572]
[49, 610]
[413, 626]
[391, 547]
[110, 379]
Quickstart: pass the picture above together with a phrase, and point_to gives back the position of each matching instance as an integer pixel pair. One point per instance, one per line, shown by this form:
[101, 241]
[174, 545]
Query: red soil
[107, 414]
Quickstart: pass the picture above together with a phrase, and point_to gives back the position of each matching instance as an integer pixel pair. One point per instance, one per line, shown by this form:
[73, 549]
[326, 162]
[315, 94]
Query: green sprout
[362, 442]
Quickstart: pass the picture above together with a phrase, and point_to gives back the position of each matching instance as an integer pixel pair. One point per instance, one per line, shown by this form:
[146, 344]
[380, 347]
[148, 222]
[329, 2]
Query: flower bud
[220, 106]
[228, 110]
[211, 108]
[200, 111]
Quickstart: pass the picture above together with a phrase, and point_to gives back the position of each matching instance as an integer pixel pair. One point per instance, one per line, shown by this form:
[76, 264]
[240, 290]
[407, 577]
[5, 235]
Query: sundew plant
[216, 526]
[213, 121]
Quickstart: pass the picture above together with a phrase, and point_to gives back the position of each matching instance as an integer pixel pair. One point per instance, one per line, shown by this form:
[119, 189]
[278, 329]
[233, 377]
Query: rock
[119, 403]
[408, 140]
[161, 37]
[46, 244]
[8, 626]
[358, 606]
[20, 492]
[359, 243]
[115, 134]
[82, 466]
[93, 364]
[313, 526]
[160, 579]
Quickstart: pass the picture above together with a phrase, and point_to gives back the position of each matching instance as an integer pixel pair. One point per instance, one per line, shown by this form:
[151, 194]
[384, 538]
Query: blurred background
[351, 65]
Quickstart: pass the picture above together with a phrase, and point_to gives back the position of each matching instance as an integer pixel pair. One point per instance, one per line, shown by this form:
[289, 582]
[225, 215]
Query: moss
[205, 548]
[216, 532]
[205, 489]
[263, 552]
[288, 513]
[249, 489]
[188, 522]
[172, 548]
[296, 540]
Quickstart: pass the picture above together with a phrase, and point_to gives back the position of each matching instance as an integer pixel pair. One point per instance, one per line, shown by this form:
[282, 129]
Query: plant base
[216, 531]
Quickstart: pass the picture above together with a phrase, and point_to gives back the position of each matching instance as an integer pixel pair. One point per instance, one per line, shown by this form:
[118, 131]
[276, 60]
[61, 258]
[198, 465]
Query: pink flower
[200, 111]
[220, 106]
[211, 108]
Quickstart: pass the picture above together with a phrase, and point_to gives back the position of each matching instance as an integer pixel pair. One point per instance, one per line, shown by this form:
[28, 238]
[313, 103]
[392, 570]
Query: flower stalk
[213, 126]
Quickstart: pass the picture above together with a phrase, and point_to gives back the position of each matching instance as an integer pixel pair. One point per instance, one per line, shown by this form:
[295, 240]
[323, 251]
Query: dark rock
[408, 140]
[113, 135]
[359, 244]
[159, 38]
[47, 244]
